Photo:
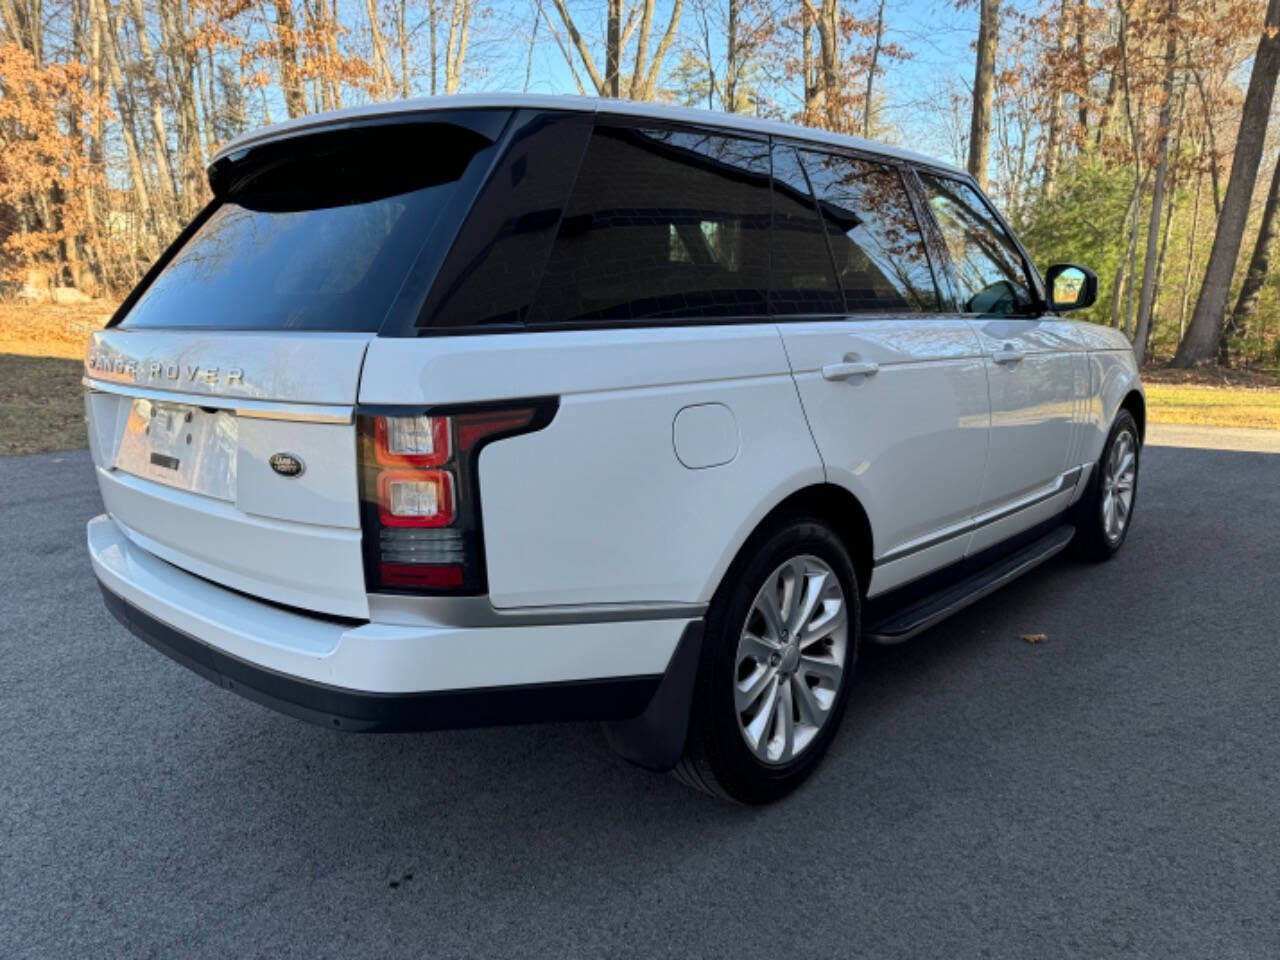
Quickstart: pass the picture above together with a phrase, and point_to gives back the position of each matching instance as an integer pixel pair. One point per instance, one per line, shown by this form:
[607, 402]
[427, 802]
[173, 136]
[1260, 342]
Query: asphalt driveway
[1113, 791]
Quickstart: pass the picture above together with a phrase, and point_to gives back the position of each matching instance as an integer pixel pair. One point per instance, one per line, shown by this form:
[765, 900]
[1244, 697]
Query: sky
[939, 36]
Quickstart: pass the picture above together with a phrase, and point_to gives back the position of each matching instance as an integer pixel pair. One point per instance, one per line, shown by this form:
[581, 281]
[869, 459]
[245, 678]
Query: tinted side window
[492, 270]
[876, 240]
[662, 224]
[803, 276]
[990, 276]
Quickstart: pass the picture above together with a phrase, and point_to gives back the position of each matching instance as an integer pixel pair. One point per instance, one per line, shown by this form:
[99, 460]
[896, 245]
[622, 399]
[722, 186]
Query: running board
[923, 614]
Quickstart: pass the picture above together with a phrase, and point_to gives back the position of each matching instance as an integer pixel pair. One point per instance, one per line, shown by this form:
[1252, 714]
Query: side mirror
[1071, 287]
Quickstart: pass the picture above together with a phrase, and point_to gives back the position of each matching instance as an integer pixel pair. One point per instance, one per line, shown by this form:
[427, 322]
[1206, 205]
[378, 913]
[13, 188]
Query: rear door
[221, 402]
[1034, 363]
[895, 392]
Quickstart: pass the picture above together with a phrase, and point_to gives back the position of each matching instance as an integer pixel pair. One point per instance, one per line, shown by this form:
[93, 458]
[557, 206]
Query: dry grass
[41, 355]
[41, 405]
[1211, 406]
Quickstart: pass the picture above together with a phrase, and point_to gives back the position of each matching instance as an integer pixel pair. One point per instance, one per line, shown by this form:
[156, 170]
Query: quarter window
[662, 224]
[875, 238]
[990, 275]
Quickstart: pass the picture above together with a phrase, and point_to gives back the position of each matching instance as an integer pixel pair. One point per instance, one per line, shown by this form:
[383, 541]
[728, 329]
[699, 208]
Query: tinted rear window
[314, 234]
[662, 224]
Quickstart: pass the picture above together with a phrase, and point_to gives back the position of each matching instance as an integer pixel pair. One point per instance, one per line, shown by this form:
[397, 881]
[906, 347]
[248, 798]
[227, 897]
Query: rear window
[318, 233]
[662, 224]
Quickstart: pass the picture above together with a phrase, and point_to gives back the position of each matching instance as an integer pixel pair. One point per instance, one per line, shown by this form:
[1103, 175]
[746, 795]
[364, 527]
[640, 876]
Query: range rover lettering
[608, 412]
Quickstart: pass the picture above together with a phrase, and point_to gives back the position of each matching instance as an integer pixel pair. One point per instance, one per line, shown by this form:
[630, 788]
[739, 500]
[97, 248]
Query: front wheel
[777, 660]
[1105, 512]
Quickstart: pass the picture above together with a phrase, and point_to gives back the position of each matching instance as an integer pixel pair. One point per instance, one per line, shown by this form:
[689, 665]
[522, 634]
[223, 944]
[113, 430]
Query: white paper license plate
[181, 446]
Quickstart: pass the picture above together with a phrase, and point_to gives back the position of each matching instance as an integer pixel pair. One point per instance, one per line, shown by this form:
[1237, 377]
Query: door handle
[1008, 354]
[849, 368]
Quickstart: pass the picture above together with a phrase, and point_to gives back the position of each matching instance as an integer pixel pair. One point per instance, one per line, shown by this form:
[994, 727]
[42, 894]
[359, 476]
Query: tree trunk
[295, 100]
[1191, 256]
[871, 70]
[1259, 264]
[731, 66]
[613, 50]
[1082, 59]
[137, 179]
[381, 68]
[1201, 342]
[1053, 141]
[984, 75]
[1213, 144]
[1146, 301]
[402, 41]
[159, 132]
[456, 46]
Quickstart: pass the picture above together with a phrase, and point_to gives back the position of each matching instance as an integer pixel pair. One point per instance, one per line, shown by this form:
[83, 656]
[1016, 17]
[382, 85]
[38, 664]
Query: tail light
[420, 492]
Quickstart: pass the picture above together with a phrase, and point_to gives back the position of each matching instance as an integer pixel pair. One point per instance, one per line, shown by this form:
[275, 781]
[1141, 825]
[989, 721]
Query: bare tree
[984, 75]
[622, 26]
[1146, 302]
[1207, 322]
[1247, 302]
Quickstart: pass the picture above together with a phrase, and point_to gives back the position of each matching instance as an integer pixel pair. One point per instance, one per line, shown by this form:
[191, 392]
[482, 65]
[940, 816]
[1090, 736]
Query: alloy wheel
[791, 659]
[1120, 474]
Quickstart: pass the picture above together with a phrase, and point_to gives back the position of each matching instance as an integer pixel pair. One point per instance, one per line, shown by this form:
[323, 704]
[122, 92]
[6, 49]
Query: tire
[1098, 535]
[754, 684]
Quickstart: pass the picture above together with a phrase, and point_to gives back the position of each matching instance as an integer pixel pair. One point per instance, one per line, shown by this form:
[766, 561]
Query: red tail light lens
[420, 492]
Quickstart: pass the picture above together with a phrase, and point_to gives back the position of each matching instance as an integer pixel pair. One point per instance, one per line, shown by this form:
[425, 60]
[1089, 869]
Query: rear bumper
[376, 676]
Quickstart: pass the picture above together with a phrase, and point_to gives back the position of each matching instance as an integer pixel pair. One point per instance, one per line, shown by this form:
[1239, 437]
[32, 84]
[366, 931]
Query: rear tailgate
[183, 426]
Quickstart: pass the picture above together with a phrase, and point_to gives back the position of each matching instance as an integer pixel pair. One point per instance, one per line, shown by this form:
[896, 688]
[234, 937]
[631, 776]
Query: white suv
[484, 410]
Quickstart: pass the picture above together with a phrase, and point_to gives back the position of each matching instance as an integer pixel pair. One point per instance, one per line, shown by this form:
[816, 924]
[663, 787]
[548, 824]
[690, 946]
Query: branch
[581, 47]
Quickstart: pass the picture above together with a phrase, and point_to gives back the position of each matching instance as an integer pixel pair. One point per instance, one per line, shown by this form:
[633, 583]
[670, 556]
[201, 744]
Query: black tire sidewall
[1095, 542]
[737, 769]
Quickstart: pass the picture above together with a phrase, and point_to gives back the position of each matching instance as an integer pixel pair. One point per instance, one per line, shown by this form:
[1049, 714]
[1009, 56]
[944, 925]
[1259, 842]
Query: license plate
[181, 446]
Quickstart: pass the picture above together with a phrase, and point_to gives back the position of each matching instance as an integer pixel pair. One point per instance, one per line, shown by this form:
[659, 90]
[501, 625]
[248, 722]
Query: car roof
[575, 104]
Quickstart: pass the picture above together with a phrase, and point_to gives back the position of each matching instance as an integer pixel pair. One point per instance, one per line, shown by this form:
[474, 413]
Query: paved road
[1111, 792]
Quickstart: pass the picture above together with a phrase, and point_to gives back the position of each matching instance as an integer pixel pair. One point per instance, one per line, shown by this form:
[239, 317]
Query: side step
[906, 623]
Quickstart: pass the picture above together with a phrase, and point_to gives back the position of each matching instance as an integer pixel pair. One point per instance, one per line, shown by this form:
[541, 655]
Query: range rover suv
[482, 410]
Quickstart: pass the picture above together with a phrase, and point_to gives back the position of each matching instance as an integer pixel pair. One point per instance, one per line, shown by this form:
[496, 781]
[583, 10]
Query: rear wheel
[777, 660]
[1105, 512]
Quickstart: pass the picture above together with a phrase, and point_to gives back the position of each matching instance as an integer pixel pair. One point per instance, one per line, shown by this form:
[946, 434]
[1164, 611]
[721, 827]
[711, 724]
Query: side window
[662, 224]
[990, 275]
[875, 238]
[492, 270]
[803, 278]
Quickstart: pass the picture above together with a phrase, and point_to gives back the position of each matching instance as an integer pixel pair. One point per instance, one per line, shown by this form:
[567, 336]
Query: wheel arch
[1136, 404]
[838, 508]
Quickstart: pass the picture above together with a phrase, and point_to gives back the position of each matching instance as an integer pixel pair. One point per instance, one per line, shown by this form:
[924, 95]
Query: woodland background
[1135, 136]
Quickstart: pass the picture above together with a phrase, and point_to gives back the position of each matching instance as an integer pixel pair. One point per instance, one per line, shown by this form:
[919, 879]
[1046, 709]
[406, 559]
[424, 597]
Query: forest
[1134, 136]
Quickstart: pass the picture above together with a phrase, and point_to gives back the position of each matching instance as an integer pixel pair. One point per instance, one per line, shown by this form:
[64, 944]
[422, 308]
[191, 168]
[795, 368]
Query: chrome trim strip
[1064, 482]
[1029, 564]
[479, 612]
[256, 409]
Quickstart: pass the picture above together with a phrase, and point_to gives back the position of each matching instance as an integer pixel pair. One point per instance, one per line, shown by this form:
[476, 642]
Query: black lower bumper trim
[617, 698]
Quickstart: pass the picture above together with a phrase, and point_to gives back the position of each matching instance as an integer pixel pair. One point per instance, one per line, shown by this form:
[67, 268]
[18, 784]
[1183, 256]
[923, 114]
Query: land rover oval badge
[286, 464]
